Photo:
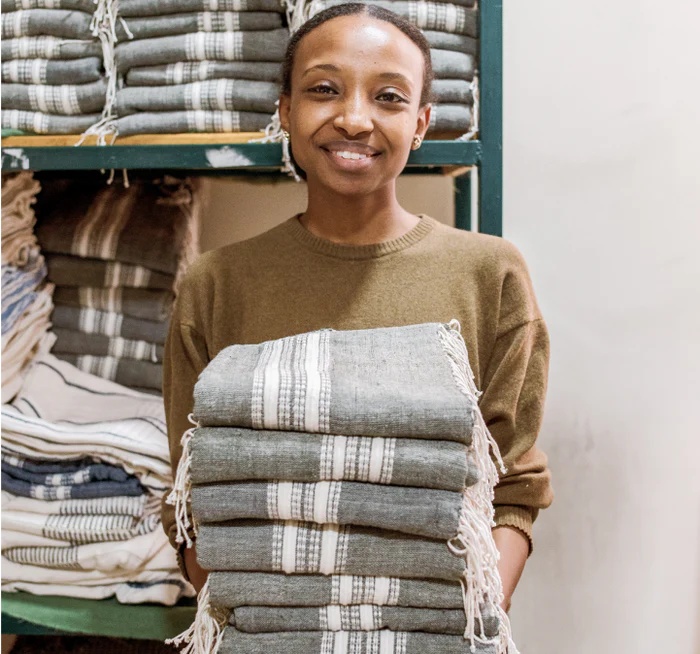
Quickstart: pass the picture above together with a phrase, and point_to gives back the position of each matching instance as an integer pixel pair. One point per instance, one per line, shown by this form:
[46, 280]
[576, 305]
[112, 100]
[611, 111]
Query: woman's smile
[349, 156]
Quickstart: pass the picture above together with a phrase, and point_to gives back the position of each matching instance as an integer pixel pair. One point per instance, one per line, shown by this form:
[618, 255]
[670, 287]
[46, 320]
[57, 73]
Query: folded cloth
[230, 590]
[449, 41]
[81, 5]
[19, 289]
[92, 321]
[452, 91]
[333, 382]
[158, 8]
[185, 72]
[88, 490]
[107, 222]
[127, 372]
[192, 121]
[215, 95]
[69, 341]
[348, 642]
[76, 271]
[48, 47]
[208, 21]
[450, 118]
[230, 454]
[308, 548]
[68, 99]
[268, 45]
[67, 24]
[46, 71]
[420, 511]
[41, 123]
[135, 506]
[73, 473]
[46, 468]
[449, 64]
[153, 307]
[18, 241]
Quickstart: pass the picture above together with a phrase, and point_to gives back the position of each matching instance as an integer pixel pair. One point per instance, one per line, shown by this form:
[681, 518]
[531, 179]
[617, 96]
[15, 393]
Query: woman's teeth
[351, 155]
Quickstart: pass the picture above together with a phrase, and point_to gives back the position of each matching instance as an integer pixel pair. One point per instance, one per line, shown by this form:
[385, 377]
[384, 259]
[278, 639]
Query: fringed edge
[275, 134]
[206, 632]
[181, 494]
[481, 583]
[474, 128]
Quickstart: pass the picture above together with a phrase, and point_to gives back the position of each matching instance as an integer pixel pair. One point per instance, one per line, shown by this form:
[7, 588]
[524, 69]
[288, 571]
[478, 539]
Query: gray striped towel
[46, 71]
[81, 5]
[449, 64]
[41, 123]
[215, 95]
[456, 118]
[185, 72]
[421, 511]
[452, 91]
[207, 21]
[65, 270]
[175, 122]
[448, 41]
[67, 24]
[92, 321]
[331, 382]
[221, 454]
[148, 305]
[86, 471]
[269, 45]
[130, 487]
[308, 548]
[158, 8]
[136, 507]
[66, 100]
[127, 372]
[48, 47]
[69, 341]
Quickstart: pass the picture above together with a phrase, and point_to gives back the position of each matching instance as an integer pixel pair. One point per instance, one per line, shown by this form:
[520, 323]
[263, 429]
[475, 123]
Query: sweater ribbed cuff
[517, 517]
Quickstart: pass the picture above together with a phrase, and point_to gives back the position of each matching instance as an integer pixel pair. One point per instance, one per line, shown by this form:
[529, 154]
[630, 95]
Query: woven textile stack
[26, 298]
[114, 254]
[199, 65]
[79, 525]
[452, 30]
[53, 73]
[341, 492]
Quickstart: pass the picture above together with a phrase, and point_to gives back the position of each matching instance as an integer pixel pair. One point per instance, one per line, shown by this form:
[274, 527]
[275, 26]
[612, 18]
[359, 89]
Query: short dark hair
[351, 9]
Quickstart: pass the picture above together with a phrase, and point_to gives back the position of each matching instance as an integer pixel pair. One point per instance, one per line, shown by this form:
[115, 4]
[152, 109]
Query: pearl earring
[417, 140]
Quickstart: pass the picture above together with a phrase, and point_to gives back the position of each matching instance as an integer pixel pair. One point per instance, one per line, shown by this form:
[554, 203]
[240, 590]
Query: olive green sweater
[288, 281]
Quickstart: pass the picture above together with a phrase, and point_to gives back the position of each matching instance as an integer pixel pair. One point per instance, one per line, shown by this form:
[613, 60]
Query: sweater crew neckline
[371, 251]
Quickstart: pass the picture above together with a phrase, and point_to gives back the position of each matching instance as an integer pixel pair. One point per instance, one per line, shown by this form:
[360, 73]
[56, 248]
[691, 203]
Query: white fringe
[205, 633]
[481, 583]
[275, 134]
[181, 494]
[474, 128]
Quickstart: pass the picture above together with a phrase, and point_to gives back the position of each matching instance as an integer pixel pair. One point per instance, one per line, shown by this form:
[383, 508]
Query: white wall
[602, 160]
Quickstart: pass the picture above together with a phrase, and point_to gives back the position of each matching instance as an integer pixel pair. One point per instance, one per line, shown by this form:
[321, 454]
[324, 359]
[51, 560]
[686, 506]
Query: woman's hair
[351, 9]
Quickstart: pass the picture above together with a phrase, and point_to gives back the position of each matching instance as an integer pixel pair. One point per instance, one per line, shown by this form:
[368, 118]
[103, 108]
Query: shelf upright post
[463, 202]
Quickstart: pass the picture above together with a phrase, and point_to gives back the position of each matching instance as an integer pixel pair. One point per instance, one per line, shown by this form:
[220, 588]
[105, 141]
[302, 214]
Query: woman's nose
[354, 116]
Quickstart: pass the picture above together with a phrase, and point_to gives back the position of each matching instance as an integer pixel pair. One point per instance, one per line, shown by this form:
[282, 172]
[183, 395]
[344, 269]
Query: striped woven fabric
[149, 305]
[46, 71]
[156, 7]
[66, 99]
[48, 47]
[76, 342]
[185, 72]
[108, 323]
[63, 23]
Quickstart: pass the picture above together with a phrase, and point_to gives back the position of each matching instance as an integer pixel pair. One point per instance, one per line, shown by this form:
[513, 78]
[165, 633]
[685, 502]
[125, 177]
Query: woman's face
[355, 104]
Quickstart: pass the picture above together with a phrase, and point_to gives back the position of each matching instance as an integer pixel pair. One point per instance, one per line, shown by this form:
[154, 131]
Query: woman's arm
[197, 575]
[514, 548]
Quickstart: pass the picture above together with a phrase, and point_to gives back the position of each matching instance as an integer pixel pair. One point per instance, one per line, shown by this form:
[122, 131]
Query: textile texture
[108, 323]
[48, 47]
[74, 342]
[186, 72]
[153, 306]
[156, 8]
[48, 72]
[18, 197]
[168, 122]
[65, 100]
[127, 372]
[43, 123]
[63, 23]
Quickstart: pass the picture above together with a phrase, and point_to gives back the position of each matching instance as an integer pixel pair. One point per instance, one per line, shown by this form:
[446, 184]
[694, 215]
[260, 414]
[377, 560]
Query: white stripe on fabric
[206, 21]
[195, 93]
[231, 21]
[203, 70]
[39, 67]
[339, 444]
[345, 589]
[289, 547]
[41, 123]
[386, 643]
[39, 103]
[381, 590]
[321, 501]
[341, 643]
[271, 386]
[376, 460]
[332, 618]
[199, 44]
[17, 27]
[14, 70]
[367, 617]
[284, 492]
[329, 548]
[178, 72]
[229, 42]
[213, 5]
[221, 90]
[451, 18]
[66, 100]
[313, 383]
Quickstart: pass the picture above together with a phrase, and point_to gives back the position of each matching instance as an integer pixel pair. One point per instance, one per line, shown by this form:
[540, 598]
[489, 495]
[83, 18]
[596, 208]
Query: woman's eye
[390, 96]
[322, 88]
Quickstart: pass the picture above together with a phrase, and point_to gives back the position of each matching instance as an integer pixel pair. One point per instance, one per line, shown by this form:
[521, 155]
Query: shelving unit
[230, 154]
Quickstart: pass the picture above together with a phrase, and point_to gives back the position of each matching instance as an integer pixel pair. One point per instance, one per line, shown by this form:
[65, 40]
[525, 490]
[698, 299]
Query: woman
[355, 101]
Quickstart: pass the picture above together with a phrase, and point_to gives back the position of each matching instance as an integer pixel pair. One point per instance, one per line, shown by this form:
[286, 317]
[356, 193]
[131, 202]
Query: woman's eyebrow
[329, 67]
[395, 77]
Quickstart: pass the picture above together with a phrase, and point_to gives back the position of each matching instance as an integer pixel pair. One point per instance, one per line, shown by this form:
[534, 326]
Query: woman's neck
[356, 220]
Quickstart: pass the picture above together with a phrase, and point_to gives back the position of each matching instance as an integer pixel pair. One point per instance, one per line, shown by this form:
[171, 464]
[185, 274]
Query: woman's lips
[351, 158]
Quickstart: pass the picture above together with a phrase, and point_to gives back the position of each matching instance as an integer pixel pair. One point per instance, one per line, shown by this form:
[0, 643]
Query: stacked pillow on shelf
[53, 80]
[114, 254]
[199, 65]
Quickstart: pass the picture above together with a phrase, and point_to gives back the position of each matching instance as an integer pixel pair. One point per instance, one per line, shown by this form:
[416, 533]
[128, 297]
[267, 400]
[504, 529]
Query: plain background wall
[602, 160]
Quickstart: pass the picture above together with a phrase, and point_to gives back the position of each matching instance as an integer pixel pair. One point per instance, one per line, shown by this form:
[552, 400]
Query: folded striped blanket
[185, 72]
[449, 41]
[137, 506]
[46, 71]
[49, 47]
[174, 122]
[325, 382]
[348, 642]
[109, 323]
[207, 21]
[151, 306]
[309, 548]
[67, 99]
[81, 5]
[42, 123]
[157, 8]
[55, 474]
[19, 289]
[450, 118]
[75, 271]
[449, 64]
[88, 490]
[69, 341]
[269, 45]
[19, 193]
[452, 91]
[127, 372]
[216, 95]
[421, 511]
[107, 222]
[64, 23]
[221, 454]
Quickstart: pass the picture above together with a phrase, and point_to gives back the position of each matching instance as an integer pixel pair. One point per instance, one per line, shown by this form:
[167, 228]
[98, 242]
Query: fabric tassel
[181, 494]
[274, 134]
[205, 634]
[474, 129]
[481, 583]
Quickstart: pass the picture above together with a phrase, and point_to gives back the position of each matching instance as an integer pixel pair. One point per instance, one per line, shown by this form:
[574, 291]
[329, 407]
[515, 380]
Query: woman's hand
[514, 549]
[197, 574]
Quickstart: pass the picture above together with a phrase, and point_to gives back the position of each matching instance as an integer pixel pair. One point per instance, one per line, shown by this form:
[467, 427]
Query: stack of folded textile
[53, 78]
[199, 65]
[26, 299]
[341, 492]
[115, 254]
[77, 525]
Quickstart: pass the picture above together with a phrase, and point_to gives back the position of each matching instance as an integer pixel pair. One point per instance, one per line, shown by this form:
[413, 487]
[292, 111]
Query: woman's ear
[284, 107]
[423, 120]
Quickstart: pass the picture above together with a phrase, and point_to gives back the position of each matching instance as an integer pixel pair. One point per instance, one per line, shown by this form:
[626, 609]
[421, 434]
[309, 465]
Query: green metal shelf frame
[251, 159]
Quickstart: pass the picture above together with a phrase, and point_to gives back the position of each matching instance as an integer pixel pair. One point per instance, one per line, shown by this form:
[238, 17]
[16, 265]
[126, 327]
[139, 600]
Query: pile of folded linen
[199, 65]
[341, 492]
[452, 30]
[115, 254]
[26, 298]
[53, 77]
[84, 462]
